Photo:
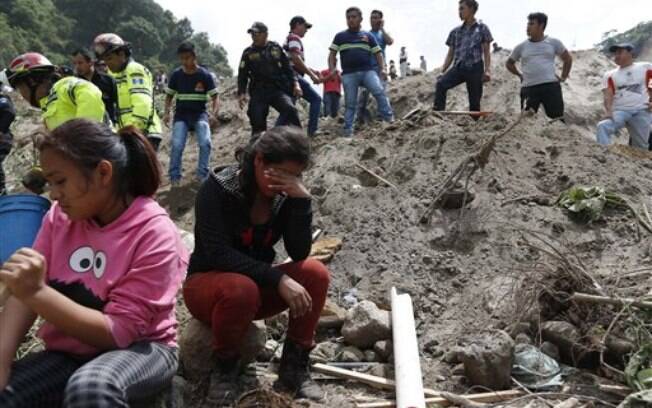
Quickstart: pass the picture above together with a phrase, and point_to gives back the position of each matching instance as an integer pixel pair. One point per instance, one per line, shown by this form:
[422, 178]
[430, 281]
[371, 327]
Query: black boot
[224, 382]
[294, 375]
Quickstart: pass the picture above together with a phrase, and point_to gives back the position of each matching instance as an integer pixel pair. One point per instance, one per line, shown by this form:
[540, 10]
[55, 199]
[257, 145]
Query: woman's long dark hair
[277, 145]
[86, 143]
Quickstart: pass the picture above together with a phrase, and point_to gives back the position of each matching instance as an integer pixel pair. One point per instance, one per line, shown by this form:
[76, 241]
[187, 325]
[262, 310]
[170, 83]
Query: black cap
[622, 46]
[299, 20]
[257, 27]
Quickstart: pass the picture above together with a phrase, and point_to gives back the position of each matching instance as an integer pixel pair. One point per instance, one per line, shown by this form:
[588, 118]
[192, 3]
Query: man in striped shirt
[356, 48]
[192, 86]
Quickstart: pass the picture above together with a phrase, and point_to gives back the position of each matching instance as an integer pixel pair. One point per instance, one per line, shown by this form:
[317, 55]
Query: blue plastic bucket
[20, 219]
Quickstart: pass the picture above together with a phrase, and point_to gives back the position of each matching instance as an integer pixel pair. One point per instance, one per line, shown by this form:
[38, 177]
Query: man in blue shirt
[467, 44]
[356, 48]
[192, 86]
[383, 39]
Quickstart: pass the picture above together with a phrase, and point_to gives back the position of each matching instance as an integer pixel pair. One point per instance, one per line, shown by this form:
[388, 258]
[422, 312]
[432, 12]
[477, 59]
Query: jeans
[331, 104]
[371, 81]
[472, 76]
[228, 302]
[179, 136]
[259, 104]
[363, 114]
[312, 97]
[637, 123]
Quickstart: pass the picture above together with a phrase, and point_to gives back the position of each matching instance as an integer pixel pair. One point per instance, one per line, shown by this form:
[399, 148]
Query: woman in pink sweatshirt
[103, 276]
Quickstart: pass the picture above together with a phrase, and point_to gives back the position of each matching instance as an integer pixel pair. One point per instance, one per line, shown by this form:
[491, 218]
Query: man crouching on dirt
[627, 98]
[7, 115]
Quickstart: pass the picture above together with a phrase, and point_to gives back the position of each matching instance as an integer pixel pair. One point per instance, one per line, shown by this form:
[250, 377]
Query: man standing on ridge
[355, 48]
[294, 46]
[265, 70]
[135, 86]
[383, 38]
[627, 93]
[467, 45]
[403, 62]
[192, 86]
[85, 68]
[539, 81]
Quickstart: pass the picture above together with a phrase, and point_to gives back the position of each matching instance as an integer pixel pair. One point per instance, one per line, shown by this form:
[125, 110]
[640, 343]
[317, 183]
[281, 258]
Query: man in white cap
[627, 93]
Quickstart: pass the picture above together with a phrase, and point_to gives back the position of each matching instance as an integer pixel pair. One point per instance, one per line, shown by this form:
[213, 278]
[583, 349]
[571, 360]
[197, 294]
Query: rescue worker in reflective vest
[265, 68]
[7, 116]
[135, 86]
[61, 99]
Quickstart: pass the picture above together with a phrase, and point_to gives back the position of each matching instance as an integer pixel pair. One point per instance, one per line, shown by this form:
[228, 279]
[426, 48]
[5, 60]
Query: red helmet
[28, 64]
[107, 43]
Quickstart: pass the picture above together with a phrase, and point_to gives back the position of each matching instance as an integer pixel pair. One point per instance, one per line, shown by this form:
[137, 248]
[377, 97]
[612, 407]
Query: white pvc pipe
[407, 366]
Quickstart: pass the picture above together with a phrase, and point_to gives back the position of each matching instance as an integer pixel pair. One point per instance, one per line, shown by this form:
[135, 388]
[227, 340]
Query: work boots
[294, 375]
[224, 382]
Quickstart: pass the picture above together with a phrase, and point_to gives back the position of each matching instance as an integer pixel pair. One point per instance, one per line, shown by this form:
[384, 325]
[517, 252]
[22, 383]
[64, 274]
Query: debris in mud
[264, 398]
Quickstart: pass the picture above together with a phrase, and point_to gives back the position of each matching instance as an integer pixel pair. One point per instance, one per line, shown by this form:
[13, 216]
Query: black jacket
[7, 113]
[226, 241]
[264, 69]
[109, 89]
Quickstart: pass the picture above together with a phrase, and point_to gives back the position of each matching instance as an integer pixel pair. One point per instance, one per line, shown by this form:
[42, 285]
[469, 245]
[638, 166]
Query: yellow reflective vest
[71, 98]
[136, 99]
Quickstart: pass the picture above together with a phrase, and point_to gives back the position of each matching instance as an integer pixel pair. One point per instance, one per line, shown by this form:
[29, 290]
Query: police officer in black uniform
[7, 116]
[266, 69]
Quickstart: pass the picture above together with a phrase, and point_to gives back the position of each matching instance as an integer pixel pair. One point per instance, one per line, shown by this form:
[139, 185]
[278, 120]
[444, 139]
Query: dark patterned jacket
[226, 240]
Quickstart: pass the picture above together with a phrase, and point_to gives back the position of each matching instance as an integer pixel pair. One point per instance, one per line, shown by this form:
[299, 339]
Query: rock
[365, 324]
[522, 338]
[453, 356]
[380, 370]
[326, 352]
[487, 358]
[517, 328]
[371, 356]
[254, 341]
[384, 349]
[566, 337]
[458, 369]
[351, 354]
[271, 352]
[550, 350]
[196, 347]
[453, 200]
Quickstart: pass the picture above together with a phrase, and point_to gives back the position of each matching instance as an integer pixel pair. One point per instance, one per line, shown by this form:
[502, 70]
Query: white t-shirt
[538, 60]
[630, 86]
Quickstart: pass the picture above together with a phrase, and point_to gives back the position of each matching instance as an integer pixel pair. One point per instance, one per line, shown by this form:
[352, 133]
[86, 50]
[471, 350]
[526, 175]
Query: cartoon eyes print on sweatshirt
[84, 261]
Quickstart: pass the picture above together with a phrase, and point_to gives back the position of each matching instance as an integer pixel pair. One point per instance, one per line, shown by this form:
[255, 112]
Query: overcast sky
[421, 26]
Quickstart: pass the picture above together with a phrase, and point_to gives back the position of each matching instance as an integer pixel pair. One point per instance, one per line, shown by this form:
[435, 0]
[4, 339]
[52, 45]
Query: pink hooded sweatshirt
[130, 270]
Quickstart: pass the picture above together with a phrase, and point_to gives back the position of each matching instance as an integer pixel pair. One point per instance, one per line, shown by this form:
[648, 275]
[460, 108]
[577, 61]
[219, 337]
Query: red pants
[229, 302]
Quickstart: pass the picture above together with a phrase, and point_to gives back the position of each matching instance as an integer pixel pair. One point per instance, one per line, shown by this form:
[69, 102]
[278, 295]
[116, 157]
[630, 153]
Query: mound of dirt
[463, 267]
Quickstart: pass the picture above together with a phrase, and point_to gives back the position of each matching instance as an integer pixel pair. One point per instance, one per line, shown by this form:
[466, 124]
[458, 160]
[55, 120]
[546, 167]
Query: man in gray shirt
[539, 81]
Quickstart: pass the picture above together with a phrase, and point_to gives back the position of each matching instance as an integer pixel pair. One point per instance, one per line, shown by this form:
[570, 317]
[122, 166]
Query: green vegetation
[638, 36]
[57, 27]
